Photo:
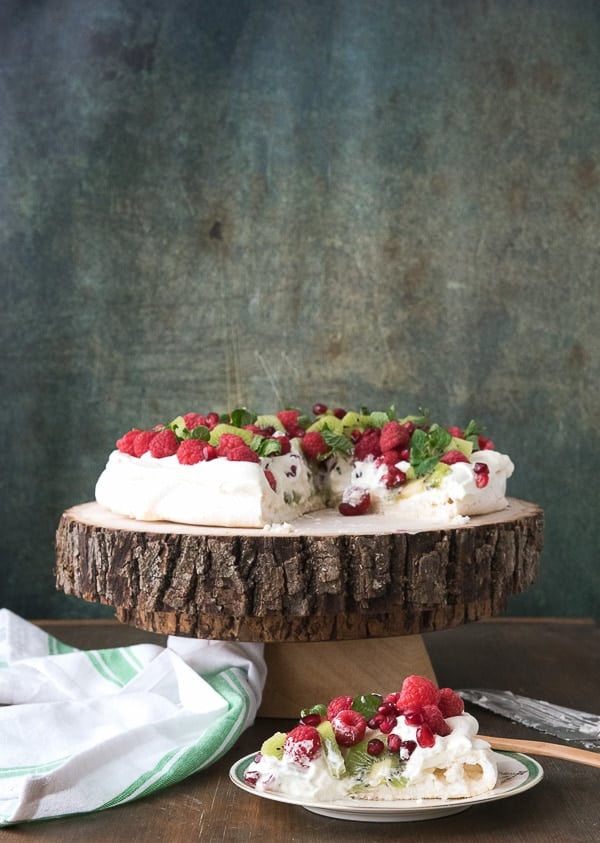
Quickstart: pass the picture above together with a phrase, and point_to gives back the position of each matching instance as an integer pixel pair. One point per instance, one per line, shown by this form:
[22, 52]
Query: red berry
[451, 705]
[289, 419]
[407, 749]
[413, 716]
[416, 692]
[319, 409]
[302, 744]
[125, 443]
[193, 420]
[375, 747]
[339, 412]
[394, 742]
[349, 727]
[356, 501]
[243, 453]
[311, 720]
[394, 477]
[314, 446]
[388, 707]
[271, 479]
[387, 724]
[284, 443]
[164, 444]
[456, 432]
[451, 457]
[435, 720]
[212, 420]
[338, 704]
[485, 444]
[190, 451]
[368, 445]
[425, 737]
[393, 437]
[482, 474]
[142, 441]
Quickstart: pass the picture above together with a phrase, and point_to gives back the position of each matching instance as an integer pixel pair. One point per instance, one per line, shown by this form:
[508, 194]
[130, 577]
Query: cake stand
[338, 601]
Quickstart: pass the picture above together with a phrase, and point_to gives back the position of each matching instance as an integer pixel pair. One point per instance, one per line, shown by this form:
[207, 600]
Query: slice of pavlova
[417, 743]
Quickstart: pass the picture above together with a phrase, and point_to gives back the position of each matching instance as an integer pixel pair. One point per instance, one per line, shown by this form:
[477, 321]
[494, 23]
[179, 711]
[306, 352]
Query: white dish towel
[85, 730]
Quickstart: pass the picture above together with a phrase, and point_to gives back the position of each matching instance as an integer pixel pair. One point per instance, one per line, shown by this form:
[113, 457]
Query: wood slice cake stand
[317, 594]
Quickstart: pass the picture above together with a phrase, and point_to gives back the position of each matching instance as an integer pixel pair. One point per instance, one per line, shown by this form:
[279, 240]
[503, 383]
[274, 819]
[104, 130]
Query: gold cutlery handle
[554, 750]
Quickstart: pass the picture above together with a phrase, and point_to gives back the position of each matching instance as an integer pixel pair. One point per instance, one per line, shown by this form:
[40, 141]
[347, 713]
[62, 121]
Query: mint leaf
[336, 441]
[426, 448]
[366, 704]
[199, 432]
[242, 417]
[266, 446]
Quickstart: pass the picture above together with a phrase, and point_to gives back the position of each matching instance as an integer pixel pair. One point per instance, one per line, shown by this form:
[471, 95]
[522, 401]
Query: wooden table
[555, 660]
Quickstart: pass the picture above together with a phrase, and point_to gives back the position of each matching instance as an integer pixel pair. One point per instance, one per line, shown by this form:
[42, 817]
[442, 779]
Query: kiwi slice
[274, 745]
[333, 757]
[369, 770]
[269, 421]
[220, 429]
[462, 445]
[327, 421]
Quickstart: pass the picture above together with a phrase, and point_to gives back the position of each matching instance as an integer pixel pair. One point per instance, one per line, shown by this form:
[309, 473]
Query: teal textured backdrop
[263, 202]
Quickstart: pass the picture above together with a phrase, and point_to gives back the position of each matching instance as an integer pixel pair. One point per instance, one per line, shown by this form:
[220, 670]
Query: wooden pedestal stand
[340, 602]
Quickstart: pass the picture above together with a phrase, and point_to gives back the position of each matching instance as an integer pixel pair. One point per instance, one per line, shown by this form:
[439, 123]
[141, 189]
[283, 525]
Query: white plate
[516, 773]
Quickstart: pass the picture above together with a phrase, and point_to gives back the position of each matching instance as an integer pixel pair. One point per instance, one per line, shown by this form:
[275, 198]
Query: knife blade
[568, 724]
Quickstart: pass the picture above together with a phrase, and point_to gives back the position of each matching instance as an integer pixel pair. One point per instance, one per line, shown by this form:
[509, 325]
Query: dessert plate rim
[517, 773]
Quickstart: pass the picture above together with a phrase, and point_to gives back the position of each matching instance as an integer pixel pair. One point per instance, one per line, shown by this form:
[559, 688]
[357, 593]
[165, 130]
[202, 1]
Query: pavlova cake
[241, 469]
[417, 743]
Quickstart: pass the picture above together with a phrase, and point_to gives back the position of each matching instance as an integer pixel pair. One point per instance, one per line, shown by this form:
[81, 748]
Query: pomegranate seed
[212, 420]
[425, 737]
[311, 720]
[271, 479]
[319, 409]
[482, 474]
[339, 412]
[394, 477]
[388, 708]
[387, 724]
[407, 749]
[251, 777]
[394, 742]
[374, 722]
[355, 436]
[413, 717]
[375, 747]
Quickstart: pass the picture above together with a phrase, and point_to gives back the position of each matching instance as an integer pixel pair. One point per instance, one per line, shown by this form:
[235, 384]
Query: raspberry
[451, 705]
[243, 453]
[141, 443]
[485, 444]
[394, 477]
[451, 457]
[271, 479]
[435, 720]
[338, 704]
[390, 457]
[192, 451]
[227, 442]
[356, 501]
[349, 727]
[285, 444]
[302, 744]
[314, 446]
[193, 420]
[289, 419]
[368, 445]
[416, 692]
[125, 443]
[456, 432]
[164, 444]
[393, 437]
